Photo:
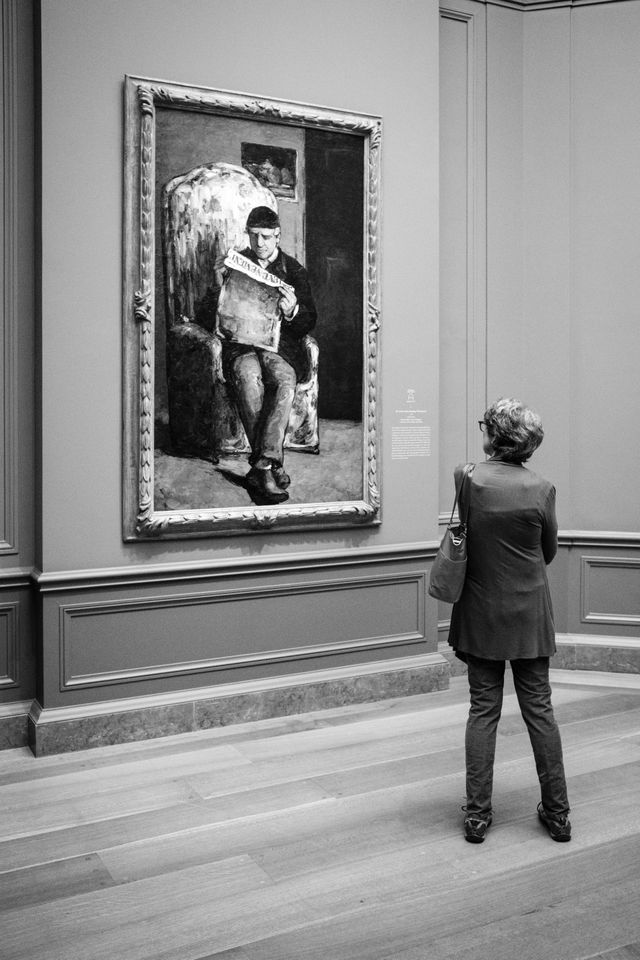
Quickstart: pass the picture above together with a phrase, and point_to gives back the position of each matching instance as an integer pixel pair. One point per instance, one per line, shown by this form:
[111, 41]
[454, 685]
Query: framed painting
[251, 314]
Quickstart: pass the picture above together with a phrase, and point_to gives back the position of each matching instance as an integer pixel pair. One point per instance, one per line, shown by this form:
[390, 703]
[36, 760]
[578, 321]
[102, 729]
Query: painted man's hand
[288, 303]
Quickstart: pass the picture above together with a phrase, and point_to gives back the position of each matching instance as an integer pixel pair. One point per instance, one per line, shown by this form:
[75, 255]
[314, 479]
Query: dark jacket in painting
[287, 268]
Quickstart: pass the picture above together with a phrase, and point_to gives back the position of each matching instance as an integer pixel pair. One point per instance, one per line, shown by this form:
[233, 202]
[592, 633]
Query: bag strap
[466, 473]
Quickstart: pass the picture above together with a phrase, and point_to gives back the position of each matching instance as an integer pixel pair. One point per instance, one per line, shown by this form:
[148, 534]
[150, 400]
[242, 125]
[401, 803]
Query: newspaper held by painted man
[249, 305]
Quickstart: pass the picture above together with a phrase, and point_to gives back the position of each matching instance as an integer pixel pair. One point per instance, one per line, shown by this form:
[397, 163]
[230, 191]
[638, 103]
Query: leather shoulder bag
[449, 567]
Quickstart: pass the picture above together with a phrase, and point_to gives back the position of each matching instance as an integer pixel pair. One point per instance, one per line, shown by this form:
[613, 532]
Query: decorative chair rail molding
[598, 538]
[15, 577]
[138, 574]
[197, 570]
[532, 5]
[583, 538]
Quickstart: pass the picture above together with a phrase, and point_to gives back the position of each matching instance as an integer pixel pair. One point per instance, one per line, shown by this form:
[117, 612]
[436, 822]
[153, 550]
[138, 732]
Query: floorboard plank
[331, 835]
[629, 952]
[175, 916]
[517, 915]
[172, 820]
[39, 817]
[425, 743]
[98, 777]
[26, 888]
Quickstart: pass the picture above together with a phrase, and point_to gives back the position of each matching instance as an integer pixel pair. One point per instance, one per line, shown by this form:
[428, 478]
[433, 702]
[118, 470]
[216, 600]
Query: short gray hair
[514, 431]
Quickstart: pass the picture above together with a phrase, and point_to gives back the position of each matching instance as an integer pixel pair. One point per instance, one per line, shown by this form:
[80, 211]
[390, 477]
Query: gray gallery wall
[121, 620]
[540, 293]
[328, 55]
[545, 143]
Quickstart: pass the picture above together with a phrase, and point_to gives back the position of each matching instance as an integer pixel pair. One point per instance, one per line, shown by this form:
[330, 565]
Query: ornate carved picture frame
[222, 437]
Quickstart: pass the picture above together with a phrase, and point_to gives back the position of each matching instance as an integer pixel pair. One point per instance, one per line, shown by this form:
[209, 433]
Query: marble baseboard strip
[578, 652]
[603, 654]
[59, 730]
[456, 667]
[596, 678]
[13, 731]
[13, 724]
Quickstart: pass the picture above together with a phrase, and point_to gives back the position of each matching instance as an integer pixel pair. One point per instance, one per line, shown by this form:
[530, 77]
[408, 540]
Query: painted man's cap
[263, 217]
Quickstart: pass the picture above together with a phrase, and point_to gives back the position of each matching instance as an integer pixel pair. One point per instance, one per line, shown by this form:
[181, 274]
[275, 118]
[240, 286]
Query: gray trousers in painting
[264, 385]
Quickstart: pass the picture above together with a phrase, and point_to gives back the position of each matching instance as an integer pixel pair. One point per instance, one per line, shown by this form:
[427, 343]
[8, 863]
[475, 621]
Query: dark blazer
[505, 610]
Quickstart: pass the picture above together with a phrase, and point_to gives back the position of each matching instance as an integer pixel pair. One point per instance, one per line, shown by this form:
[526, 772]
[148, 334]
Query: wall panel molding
[8, 331]
[384, 611]
[463, 215]
[600, 588]
[614, 599]
[9, 646]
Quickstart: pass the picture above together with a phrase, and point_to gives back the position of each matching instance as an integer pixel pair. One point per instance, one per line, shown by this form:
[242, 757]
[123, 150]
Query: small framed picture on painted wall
[275, 167]
[251, 314]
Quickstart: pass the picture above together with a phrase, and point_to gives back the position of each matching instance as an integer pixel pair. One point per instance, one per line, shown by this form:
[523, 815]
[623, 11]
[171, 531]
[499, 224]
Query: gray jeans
[531, 680]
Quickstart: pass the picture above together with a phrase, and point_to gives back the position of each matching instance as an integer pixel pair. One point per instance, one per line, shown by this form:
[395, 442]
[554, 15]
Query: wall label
[411, 436]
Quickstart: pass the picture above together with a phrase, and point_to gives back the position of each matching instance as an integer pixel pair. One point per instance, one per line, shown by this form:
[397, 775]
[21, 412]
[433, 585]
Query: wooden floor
[327, 836]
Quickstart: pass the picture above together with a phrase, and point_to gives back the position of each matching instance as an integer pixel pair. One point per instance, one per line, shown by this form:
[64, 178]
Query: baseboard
[598, 654]
[63, 729]
[456, 667]
[13, 724]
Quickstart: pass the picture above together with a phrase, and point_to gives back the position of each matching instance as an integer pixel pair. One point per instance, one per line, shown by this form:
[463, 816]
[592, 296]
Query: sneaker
[559, 827]
[475, 828]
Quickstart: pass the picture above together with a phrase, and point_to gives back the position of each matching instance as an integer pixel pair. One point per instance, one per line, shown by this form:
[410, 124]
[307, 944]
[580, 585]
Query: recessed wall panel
[611, 590]
[167, 636]
[462, 329]
[9, 663]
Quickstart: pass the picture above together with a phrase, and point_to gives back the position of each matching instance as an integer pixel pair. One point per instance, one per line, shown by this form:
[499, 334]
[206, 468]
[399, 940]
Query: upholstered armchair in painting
[204, 213]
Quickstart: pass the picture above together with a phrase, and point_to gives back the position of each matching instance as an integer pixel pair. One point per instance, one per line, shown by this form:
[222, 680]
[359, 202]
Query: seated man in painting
[264, 378]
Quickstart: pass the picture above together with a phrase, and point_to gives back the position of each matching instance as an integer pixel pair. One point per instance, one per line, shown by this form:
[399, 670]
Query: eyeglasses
[482, 424]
